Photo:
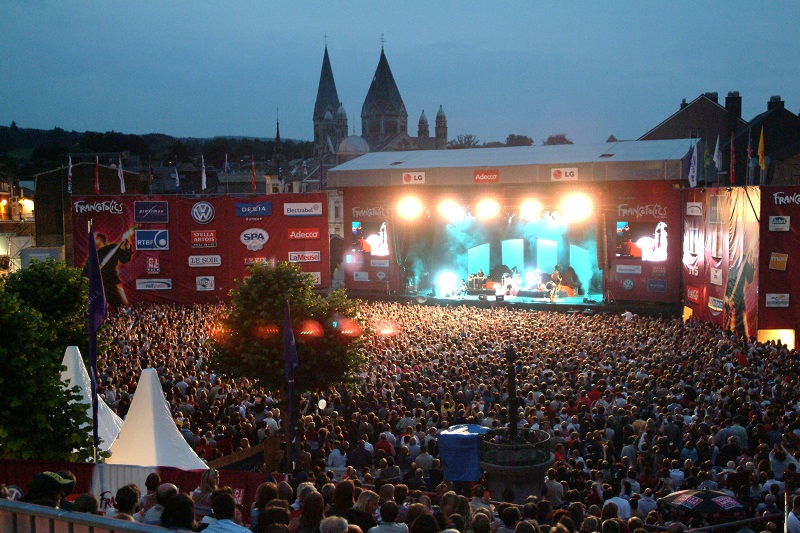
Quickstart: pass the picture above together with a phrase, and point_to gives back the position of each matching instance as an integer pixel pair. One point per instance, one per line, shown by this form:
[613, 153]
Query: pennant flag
[706, 161]
[152, 175]
[96, 175]
[693, 168]
[717, 156]
[177, 179]
[749, 145]
[203, 175]
[98, 310]
[253, 171]
[69, 176]
[121, 176]
[280, 175]
[761, 162]
[733, 160]
[227, 167]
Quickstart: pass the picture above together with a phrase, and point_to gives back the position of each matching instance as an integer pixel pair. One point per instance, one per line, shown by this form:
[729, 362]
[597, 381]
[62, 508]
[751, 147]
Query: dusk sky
[204, 69]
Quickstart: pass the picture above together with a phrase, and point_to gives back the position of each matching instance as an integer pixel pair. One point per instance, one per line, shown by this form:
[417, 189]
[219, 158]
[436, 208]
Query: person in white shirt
[224, 507]
[793, 520]
[337, 459]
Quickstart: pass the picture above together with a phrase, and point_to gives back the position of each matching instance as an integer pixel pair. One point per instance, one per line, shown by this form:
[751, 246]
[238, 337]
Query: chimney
[683, 103]
[775, 102]
[714, 97]
[733, 103]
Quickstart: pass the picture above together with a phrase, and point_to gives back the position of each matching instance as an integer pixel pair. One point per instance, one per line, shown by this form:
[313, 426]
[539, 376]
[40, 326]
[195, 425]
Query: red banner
[190, 250]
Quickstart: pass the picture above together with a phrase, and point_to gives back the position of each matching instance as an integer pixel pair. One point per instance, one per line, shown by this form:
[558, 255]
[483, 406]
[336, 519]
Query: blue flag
[98, 310]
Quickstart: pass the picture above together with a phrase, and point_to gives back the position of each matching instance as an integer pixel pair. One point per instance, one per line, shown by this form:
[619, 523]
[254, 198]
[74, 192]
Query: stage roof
[622, 160]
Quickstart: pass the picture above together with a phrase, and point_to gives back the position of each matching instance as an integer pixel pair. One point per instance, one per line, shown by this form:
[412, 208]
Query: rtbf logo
[254, 238]
[303, 234]
[203, 212]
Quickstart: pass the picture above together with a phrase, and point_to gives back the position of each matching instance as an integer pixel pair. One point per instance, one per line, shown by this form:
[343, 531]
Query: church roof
[327, 97]
[353, 145]
[383, 93]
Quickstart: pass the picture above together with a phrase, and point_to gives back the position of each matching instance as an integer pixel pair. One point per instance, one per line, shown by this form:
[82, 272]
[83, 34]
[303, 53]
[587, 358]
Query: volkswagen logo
[203, 212]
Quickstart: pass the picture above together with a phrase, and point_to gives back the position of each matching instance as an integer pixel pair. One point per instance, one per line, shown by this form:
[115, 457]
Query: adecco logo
[304, 233]
[485, 176]
[254, 238]
[203, 212]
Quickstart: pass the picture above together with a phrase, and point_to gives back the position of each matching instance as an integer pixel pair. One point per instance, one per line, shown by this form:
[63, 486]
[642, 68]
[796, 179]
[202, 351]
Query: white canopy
[75, 375]
[149, 436]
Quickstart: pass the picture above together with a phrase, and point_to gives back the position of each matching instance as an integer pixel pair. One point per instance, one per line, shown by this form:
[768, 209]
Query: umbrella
[703, 502]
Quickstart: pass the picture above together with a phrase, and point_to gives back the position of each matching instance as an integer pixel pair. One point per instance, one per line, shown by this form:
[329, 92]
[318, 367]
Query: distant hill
[27, 151]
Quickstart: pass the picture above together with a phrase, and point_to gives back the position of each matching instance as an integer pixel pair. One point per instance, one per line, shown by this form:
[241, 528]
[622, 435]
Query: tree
[60, 294]
[250, 342]
[558, 138]
[465, 140]
[518, 140]
[39, 417]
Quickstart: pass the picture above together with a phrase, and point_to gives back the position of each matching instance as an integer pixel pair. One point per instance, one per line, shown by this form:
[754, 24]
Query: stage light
[446, 283]
[487, 208]
[409, 208]
[531, 278]
[311, 329]
[576, 207]
[451, 210]
[530, 210]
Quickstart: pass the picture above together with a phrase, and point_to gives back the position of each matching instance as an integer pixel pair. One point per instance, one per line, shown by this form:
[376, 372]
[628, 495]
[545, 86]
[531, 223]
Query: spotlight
[409, 207]
[530, 210]
[451, 210]
[576, 207]
[446, 283]
[487, 208]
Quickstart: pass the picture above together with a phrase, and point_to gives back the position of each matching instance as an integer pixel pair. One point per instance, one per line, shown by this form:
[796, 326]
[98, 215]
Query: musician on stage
[554, 285]
[111, 255]
[480, 273]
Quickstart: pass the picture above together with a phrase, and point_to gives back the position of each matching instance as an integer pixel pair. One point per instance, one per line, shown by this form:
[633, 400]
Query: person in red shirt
[385, 445]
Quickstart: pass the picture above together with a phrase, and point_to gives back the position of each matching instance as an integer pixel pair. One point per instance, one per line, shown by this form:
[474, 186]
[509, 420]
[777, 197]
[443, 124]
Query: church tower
[441, 129]
[383, 114]
[330, 120]
[423, 132]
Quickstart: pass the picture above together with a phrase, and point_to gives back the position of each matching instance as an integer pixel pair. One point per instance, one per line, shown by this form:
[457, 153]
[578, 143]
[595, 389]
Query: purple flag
[289, 346]
[98, 310]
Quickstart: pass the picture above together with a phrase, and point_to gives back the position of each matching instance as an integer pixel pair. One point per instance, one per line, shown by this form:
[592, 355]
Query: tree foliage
[558, 138]
[464, 140]
[39, 417]
[60, 294]
[518, 140]
[250, 342]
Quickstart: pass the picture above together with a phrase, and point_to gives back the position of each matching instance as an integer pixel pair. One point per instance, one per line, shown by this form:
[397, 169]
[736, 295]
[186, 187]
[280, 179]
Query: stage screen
[646, 241]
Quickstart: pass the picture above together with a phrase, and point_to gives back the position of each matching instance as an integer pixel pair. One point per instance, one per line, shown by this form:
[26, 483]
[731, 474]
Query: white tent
[149, 436]
[108, 423]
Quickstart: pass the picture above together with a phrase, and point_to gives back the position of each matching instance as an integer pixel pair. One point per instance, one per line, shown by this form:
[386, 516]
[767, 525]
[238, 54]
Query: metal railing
[18, 517]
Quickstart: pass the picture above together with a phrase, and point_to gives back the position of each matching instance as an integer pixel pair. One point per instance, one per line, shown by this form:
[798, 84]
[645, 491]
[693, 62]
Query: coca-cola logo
[369, 212]
[781, 198]
[639, 211]
[107, 206]
[693, 294]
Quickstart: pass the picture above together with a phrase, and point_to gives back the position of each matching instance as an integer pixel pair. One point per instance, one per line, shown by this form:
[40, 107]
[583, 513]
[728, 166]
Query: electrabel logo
[309, 209]
[203, 212]
[304, 233]
[152, 239]
[254, 238]
[304, 257]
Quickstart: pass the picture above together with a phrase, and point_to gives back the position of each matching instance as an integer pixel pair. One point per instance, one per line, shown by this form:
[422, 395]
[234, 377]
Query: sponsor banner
[715, 304]
[253, 209]
[777, 299]
[204, 238]
[296, 234]
[716, 276]
[163, 284]
[152, 239]
[317, 277]
[153, 266]
[202, 212]
[151, 212]
[627, 284]
[626, 211]
[784, 198]
[413, 178]
[694, 209]
[360, 276]
[693, 294]
[304, 257]
[656, 285]
[111, 207]
[381, 275]
[254, 238]
[659, 272]
[779, 223]
[250, 261]
[563, 174]
[370, 212]
[379, 263]
[486, 176]
[307, 209]
[778, 261]
[629, 269]
[204, 283]
[205, 260]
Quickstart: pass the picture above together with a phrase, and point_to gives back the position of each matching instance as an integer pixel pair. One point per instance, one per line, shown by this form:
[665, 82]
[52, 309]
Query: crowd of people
[636, 408]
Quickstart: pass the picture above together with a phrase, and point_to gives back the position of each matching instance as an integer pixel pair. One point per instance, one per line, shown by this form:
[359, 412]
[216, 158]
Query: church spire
[327, 97]
[383, 114]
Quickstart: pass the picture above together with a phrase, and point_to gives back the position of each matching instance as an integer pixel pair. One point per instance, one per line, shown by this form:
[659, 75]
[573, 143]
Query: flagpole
[98, 310]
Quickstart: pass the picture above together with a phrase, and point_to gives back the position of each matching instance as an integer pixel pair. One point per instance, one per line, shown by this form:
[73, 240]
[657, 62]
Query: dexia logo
[304, 233]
